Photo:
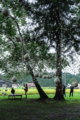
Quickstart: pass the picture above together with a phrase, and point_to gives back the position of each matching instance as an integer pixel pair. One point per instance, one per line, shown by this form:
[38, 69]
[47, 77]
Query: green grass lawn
[76, 96]
[33, 109]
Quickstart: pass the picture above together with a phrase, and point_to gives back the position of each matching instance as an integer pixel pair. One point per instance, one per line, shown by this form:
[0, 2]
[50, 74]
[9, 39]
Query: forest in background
[66, 77]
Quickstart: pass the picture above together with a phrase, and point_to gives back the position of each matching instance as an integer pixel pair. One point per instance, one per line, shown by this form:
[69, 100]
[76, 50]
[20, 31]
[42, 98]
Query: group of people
[71, 91]
[13, 91]
[26, 89]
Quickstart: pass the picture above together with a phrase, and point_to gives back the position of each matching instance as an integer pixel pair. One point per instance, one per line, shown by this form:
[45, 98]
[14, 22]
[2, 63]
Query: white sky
[73, 68]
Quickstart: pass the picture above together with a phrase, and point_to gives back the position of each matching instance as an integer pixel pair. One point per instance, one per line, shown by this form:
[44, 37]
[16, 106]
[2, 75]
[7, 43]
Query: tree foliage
[38, 50]
[56, 28]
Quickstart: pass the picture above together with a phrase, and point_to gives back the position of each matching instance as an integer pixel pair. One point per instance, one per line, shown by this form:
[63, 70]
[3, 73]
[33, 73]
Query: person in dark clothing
[26, 89]
[71, 91]
[13, 92]
[64, 90]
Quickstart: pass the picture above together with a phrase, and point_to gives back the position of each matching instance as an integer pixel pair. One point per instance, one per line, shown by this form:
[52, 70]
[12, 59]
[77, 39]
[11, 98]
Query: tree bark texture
[41, 92]
[59, 92]
[59, 89]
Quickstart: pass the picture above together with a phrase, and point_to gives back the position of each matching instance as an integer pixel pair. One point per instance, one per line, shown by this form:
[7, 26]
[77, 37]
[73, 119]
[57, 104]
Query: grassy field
[33, 109]
[32, 91]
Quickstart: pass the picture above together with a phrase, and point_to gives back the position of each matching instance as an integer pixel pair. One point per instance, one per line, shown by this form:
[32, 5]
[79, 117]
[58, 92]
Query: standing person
[13, 92]
[64, 90]
[71, 91]
[26, 89]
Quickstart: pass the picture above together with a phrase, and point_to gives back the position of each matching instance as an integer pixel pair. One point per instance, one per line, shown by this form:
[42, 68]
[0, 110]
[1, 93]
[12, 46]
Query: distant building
[15, 85]
[69, 85]
[6, 83]
[79, 85]
[31, 84]
[1, 83]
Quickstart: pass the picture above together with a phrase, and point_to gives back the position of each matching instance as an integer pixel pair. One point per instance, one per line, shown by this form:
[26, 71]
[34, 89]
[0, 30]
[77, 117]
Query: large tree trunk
[59, 93]
[41, 92]
[59, 90]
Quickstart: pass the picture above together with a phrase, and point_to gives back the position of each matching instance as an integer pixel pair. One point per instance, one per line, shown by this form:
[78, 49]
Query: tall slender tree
[56, 26]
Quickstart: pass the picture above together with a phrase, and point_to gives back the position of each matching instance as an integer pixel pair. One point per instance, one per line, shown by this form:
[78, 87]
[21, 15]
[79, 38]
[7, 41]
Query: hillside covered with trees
[66, 78]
